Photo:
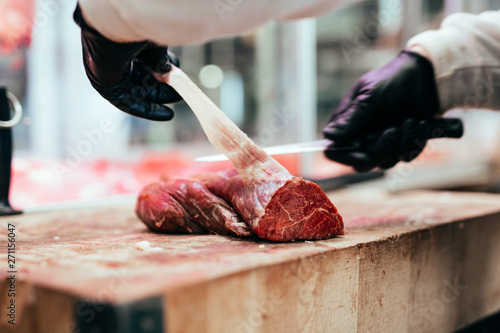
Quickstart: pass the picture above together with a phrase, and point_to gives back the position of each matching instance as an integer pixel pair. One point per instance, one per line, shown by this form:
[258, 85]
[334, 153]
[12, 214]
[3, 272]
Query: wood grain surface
[415, 262]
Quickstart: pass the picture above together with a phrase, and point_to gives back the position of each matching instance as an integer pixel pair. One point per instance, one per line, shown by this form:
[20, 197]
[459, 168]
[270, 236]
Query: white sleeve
[465, 53]
[175, 22]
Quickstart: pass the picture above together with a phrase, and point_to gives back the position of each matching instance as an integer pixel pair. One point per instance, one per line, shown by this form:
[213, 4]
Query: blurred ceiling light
[211, 76]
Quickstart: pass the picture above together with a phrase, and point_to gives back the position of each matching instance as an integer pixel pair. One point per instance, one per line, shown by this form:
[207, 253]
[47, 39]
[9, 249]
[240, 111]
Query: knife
[302, 147]
[439, 128]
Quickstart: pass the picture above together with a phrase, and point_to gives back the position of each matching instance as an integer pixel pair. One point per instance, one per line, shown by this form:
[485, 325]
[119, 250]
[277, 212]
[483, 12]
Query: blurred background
[279, 83]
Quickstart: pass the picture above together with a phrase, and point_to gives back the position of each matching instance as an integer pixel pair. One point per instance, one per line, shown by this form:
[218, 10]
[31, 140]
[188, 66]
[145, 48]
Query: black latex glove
[121, 73]
[388, 116]
[385, 149]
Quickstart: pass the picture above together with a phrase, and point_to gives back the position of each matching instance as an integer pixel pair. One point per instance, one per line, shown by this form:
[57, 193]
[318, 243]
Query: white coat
[465, 51]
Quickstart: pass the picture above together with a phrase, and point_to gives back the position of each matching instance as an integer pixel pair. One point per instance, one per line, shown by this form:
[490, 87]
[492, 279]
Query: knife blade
[302, 147]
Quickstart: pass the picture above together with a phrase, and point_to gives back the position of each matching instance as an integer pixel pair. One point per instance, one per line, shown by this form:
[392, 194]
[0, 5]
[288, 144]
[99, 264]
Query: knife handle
[5, 156]
[446, 128]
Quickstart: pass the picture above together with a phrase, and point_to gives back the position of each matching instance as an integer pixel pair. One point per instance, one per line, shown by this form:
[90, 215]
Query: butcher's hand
[121, 73]
[389, 115]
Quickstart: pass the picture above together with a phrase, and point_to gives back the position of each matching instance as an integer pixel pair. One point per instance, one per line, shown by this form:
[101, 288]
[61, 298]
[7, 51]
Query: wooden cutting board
[415, 262]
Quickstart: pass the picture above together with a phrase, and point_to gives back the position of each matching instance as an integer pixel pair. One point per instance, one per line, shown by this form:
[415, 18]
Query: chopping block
[414, 262]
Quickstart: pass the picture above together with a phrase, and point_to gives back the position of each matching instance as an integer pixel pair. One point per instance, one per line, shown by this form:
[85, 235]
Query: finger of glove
[150, 111]
[174, 59]
[414, 138]
[389, 163]
[392, 157]
[409, 133]
[359, 160]
[424, 128]
[385, 149]
[167, 94]
[146, 88]
[156, 57]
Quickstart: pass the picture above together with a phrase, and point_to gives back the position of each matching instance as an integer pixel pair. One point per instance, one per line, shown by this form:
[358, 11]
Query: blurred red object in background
[16, 24]
[36, 181]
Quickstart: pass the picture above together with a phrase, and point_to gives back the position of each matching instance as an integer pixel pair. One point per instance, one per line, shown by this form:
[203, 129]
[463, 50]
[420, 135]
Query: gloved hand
[121, 73]
[385, 149]
[388, 116]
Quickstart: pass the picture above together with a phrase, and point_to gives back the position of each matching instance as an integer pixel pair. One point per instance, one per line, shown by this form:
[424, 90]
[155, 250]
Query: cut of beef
[187, 206]
[276, 210]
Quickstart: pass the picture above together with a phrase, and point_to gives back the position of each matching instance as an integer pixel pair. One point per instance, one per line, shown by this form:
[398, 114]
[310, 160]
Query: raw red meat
[187, 206]
[277, 210]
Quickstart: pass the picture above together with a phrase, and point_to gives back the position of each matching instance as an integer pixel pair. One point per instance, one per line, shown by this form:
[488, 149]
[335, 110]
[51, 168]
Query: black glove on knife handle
[395, 144]
[121, 73]
[389, 115]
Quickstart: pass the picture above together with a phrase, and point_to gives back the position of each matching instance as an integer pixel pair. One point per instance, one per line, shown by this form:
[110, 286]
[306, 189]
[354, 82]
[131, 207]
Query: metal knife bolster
[302, 147]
